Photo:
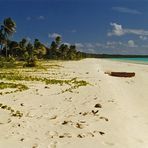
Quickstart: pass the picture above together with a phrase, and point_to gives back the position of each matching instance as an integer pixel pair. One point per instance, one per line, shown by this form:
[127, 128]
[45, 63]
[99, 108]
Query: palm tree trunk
[6, 51]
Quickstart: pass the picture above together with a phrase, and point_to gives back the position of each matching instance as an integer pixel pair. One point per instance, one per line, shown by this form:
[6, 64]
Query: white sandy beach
[52, 119]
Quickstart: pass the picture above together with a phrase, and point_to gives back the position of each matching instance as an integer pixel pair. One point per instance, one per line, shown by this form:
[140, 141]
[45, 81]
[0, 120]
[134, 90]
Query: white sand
[123, 117]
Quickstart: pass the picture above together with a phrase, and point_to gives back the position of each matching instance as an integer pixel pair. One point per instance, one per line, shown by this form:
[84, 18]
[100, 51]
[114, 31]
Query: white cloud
[89, 45]
[131, 43]
[68, 44]
[143, 37]
[112, 47]
[91, 50]
[54, 35]
[98, 45]
[80, 46]
[126, 10]
[41, 17]
[28, 39]
[118, 30]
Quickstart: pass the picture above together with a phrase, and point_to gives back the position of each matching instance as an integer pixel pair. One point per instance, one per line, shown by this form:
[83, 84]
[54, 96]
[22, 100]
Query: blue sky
[96, 26]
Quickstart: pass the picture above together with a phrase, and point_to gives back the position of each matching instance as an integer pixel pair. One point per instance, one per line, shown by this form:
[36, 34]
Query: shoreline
[131, 61]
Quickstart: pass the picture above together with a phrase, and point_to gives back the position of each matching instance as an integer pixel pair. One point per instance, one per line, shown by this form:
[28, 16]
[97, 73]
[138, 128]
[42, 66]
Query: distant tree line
[25, 50]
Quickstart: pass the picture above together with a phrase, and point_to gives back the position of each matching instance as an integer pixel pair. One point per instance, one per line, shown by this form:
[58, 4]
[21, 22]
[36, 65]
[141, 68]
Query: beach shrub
[30, 61]
[8, 62]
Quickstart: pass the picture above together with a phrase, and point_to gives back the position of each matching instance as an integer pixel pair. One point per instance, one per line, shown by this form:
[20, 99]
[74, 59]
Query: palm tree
[63, 51]
[39, 48]
[58, 40]
[13, 48]
[7, 29]
[23, 44]
[2, 39]
[29, 56]
[72, 52]
[53, 50]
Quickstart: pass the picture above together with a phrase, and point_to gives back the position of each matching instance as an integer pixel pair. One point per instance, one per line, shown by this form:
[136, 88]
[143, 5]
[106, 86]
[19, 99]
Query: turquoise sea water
[133, 60]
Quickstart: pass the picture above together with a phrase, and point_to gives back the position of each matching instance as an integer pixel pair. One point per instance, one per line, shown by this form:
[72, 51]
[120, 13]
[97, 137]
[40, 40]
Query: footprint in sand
[104, 118]
[52, 134]
[99, 132]
[89, 134]
[82, 135]
[109, 143]
[53, 144]
[85, 135]
[67, 122]
[135, 116]
[79, 125]
[65, 135]
[35, 145]
[52, 117]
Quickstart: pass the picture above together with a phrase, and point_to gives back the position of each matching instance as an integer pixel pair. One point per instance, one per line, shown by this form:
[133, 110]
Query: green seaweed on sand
[18, 87]
[19, 77]
[4, 85]
[76, 84]
[13, 76]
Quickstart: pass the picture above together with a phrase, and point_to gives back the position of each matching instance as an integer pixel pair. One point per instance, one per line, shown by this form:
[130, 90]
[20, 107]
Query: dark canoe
[122, 74]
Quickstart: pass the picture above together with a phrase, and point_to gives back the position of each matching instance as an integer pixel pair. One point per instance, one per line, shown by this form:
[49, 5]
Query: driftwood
[121, 74]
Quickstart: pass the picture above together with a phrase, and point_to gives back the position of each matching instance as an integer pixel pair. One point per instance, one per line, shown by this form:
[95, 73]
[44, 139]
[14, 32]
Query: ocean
[133, 60]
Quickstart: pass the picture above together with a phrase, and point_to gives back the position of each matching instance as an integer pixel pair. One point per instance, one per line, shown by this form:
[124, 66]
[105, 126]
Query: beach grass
[14, 76]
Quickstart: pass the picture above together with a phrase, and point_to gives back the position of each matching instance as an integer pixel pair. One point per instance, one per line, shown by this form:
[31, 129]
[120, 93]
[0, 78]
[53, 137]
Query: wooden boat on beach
[122, 74]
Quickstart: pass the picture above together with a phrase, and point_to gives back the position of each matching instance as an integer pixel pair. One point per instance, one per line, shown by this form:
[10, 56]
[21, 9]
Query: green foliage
[9, 25]
[58, 40]
[17, 87]
[30, 62]
[29, 52]
[20, 87]
[8, 62]
[7, 29]
[73, 83]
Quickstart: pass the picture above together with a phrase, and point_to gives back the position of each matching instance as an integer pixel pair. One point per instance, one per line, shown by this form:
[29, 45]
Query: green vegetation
[8, 62]
[29, 52]
[12, 111]
[74, 83]
[19, 77]
[18, 87]
[23, 53]
[12, 85]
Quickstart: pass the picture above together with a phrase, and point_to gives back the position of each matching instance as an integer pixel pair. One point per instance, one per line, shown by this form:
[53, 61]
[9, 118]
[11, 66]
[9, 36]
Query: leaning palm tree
[7, 29]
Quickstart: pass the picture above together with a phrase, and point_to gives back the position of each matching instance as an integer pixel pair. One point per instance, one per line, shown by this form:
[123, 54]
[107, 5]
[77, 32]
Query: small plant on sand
[75, 84]
[18, 87]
